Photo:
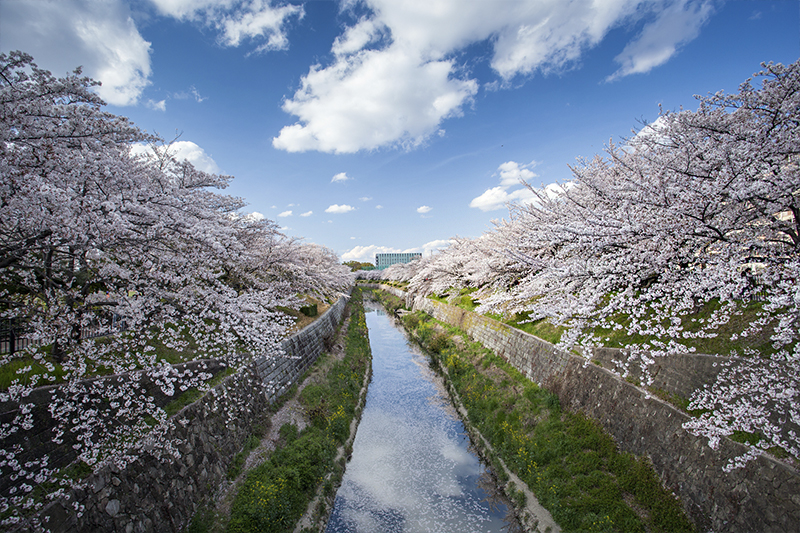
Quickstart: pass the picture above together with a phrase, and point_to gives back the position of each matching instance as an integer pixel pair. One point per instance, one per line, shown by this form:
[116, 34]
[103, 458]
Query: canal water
[412, 468]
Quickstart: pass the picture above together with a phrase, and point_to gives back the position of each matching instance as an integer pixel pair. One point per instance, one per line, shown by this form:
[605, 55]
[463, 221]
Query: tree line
[684, 232]
[96, 232]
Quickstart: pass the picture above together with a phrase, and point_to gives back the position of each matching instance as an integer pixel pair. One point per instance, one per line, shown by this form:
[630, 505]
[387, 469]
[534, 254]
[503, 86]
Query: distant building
[384, 260]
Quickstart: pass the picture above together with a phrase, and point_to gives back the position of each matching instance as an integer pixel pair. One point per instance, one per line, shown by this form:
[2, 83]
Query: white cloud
[255, 215]
[439, 244]
[365, 198]
[429, 247]
[497, 198]
[660, 40]
[192, 93]
[378, 206]
[285, 214]
[157, 106]
[372, 99]
[183, 9]
[98, 35]
[307, 214]
[393, 78]
[183, 150]
[236, 21]
[341, 177]
[424, 209]
[367, 253]
[195, 155]
[355, 38]
[510, 174]
[102, 36]
[339, 209]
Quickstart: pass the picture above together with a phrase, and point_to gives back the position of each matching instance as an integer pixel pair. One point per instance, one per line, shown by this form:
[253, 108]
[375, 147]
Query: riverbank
[288, 480]
[570, 464]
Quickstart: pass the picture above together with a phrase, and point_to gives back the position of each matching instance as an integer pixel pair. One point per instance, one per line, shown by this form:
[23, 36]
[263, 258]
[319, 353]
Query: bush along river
[412, 467]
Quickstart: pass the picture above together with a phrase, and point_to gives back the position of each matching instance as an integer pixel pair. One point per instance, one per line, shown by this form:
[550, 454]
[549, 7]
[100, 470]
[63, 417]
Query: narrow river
[412, 468]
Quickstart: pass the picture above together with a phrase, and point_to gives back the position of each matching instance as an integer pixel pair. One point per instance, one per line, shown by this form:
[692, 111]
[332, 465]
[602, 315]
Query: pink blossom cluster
[698, 210]
[95, 237]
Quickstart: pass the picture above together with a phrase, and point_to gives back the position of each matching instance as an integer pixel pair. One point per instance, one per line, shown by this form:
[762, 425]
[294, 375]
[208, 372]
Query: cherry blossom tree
[699, 209]
[92, 237]
[689, 227]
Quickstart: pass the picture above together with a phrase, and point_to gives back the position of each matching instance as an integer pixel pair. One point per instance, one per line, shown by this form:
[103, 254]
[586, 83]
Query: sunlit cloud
[183, 150]
[392, 80]
[341, 177]
[661, 39]
[285, 214]
[101, 37]
[429, 247]
[258, 21]
[339, 209]
[367, 253]
[307, 214]
[192, 94]
[157, 106]
[511, 174]
[424, 209]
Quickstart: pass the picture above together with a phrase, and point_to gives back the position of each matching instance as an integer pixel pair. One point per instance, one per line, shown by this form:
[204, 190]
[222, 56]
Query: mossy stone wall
[155, 495]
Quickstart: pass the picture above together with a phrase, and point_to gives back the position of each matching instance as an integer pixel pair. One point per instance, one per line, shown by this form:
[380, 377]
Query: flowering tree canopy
[689, 228]
[96, 238]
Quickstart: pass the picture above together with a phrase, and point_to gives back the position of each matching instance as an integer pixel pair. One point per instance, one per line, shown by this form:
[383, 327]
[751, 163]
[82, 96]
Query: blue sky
[380, 125]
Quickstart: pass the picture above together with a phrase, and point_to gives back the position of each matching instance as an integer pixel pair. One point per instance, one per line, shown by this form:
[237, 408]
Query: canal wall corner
[762, 496]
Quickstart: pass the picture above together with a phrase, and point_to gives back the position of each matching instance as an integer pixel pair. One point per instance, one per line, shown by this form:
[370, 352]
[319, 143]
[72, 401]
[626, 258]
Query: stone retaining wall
[763, 496]
[155, 494]
[302, 350]
[39, 439]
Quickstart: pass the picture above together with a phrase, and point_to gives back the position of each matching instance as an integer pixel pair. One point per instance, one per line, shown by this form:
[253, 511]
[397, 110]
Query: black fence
[14, 337]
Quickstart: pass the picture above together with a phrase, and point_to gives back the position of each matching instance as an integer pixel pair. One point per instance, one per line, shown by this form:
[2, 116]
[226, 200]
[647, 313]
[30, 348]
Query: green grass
[191, 351]
[9, 372]
[389, 301]
[275, 494]
[190, 396]
[250, 444]
[567, 459]
[540, 328]
[725, 341]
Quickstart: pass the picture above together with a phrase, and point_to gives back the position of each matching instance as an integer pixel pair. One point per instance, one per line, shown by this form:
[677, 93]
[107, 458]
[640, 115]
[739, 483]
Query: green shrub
[275, 494]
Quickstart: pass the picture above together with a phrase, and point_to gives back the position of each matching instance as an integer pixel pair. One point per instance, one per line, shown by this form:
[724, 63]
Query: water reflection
[412, 469]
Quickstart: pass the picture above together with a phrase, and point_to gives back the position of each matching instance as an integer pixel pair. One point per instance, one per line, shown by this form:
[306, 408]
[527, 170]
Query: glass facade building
[384, 260]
